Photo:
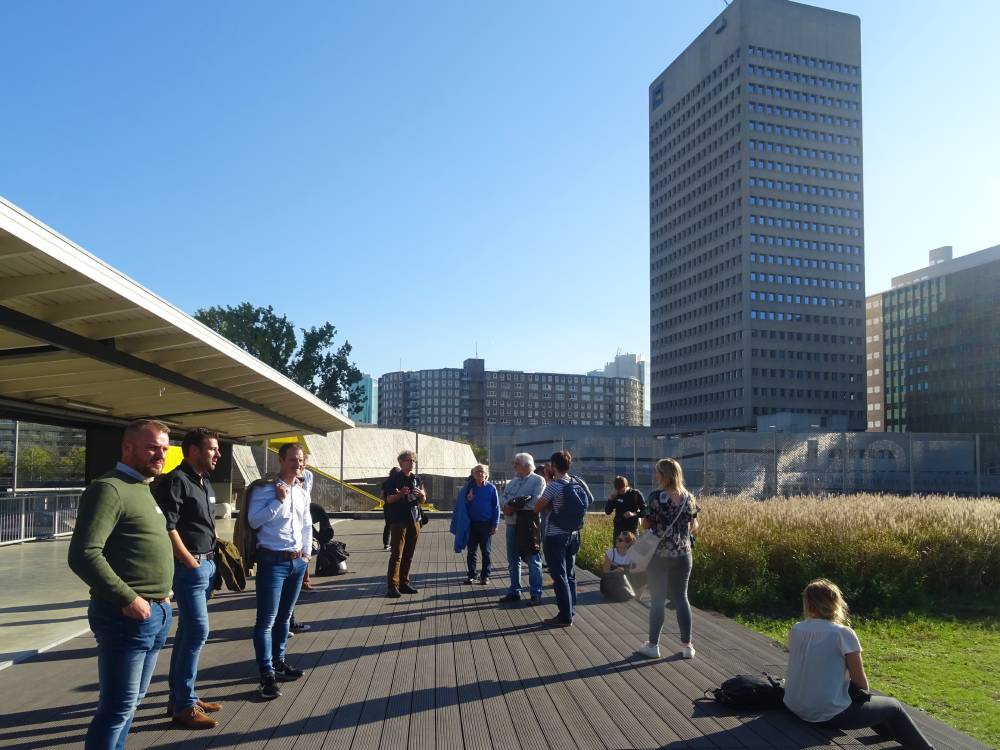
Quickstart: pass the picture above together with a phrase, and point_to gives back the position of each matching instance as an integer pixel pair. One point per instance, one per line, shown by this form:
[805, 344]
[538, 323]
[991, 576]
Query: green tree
[35, 464]
[312, 361]
[480, 453]
[74, 464]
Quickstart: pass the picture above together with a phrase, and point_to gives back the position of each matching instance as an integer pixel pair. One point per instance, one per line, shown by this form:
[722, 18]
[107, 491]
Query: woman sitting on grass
[617, 582]
[826, 682]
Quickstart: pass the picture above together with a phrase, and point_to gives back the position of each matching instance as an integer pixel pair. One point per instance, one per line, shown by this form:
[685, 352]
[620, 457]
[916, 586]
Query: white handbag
[642, 550]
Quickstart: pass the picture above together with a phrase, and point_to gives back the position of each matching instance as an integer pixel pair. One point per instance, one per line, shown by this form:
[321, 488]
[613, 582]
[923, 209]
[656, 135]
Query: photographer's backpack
[750, 691]
[576, 501]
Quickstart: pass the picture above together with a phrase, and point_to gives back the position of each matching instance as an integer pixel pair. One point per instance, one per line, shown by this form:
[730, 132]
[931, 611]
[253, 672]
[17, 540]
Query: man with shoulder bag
[520, 495]
[566, 499]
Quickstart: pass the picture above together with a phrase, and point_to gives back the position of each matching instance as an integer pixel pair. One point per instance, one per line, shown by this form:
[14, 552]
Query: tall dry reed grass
[887, 552]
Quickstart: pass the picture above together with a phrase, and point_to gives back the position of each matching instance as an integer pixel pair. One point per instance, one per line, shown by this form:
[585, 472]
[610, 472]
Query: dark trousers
[403, 540]
[480, 537]
[385, 529]
[887, 717]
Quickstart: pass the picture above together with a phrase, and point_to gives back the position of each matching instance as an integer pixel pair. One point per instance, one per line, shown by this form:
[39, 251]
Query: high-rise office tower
[934, 353]
[757, 294]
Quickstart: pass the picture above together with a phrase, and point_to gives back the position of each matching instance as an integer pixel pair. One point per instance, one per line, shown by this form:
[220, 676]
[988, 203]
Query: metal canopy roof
[81, 340]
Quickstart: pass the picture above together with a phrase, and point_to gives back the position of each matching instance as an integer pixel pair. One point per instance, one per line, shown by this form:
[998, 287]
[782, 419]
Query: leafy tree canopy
[310, 358]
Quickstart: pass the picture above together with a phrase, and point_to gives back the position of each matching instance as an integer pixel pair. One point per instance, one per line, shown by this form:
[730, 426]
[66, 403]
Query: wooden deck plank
[445, 668]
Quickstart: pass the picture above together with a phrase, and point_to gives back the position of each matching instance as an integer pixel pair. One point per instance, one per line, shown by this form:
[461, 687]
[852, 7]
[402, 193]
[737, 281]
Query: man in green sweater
[120, 548]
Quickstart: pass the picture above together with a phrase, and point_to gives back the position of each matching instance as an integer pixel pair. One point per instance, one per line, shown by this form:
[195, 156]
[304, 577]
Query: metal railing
[26, 516]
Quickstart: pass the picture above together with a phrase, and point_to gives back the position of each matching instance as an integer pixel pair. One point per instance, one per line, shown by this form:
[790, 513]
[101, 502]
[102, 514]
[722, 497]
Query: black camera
[518, 503]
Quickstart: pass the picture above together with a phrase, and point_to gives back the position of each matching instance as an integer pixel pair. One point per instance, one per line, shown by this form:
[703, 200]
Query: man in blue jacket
[483, 504]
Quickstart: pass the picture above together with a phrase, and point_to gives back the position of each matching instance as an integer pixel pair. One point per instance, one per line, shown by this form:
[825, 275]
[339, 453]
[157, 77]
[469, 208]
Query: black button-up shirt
[406, 509]
[185, 498]
[632, 501]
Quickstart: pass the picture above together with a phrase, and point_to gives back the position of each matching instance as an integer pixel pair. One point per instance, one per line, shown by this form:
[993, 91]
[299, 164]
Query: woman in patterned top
[673, 516]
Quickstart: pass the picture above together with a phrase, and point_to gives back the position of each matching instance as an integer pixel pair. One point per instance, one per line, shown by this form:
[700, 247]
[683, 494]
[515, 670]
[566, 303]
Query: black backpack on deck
[331, 560]
[750, 691]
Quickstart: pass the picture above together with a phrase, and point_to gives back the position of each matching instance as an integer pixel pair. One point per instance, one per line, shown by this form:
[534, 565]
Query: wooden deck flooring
[447, 668]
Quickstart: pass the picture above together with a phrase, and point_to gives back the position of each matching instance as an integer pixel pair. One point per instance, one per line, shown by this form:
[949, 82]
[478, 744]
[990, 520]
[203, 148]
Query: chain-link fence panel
[989, 464]
[880, 462]
[944, 463]
[736, 463]
[811, 463]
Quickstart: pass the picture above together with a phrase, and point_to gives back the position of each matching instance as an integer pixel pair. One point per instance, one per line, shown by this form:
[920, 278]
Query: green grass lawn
[936, 557]
[948, 666]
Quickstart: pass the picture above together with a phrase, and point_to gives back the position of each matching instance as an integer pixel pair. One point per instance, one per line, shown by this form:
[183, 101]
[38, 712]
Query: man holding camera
[404, 492]
[628, 505]
[520, 496]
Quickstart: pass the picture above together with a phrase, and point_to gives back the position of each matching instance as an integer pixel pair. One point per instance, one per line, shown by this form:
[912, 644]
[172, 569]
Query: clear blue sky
[432, 175]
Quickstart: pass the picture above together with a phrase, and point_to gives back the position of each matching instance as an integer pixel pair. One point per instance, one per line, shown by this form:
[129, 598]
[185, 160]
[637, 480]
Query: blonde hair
[627, 535]
[671, 475]
[824, 599]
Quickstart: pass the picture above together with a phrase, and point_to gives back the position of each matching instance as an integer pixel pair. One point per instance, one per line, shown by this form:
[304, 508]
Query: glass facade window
[47, 456]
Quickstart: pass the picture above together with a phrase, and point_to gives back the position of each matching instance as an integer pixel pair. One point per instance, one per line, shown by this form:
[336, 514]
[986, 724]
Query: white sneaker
[688, 652]
[649, 650]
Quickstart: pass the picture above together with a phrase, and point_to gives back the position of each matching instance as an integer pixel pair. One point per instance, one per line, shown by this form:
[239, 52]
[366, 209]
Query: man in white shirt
[279, 513]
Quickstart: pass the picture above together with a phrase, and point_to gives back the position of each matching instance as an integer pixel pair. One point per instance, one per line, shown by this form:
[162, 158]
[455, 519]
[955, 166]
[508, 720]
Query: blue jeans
[192, 587]
[126, 655]
[480, 536]
[667, 578]
[514, 567]
[560, 551]
[278, 584]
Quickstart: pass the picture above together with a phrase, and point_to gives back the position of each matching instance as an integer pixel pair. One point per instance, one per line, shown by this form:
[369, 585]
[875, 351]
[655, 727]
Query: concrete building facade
[459, 404]
[874, 365]
[623, 366]
[756, 222]
[940, 346]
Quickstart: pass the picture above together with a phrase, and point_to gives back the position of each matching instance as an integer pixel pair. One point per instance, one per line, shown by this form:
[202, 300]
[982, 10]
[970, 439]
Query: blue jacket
[485, 505]
[460, 519]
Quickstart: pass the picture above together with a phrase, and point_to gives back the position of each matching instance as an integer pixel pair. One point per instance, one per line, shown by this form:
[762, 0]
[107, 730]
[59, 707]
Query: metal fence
[753, 464]
[27, 516]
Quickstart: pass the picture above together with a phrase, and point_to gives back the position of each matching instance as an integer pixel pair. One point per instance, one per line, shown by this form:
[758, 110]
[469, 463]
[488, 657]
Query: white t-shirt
[621, 561]
[817, 680]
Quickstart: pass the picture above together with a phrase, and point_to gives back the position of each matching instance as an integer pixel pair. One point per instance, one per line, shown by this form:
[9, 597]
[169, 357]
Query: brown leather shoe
[194, 718]
[207, 707]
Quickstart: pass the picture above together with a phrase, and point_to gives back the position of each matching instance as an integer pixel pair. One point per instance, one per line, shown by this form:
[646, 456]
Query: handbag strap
[680, 509]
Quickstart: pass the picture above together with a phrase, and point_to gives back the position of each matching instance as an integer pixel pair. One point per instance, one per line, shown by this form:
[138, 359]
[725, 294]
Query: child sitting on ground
[618, 581]
[826, 682]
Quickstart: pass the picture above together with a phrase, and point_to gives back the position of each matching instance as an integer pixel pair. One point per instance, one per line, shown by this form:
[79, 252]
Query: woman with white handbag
[672, 517]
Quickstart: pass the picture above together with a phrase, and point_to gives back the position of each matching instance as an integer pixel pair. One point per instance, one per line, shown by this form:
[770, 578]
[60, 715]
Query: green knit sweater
[120, 546]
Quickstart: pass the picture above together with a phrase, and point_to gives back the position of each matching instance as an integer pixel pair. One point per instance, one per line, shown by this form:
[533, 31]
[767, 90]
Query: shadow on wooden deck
[446, 668]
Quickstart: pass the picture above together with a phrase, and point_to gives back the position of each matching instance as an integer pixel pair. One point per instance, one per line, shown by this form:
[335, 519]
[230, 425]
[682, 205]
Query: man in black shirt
[185, 496]
[628, 505]
[404, 492]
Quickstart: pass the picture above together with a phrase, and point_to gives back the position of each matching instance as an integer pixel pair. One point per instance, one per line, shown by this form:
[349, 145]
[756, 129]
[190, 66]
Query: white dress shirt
[281, 526]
